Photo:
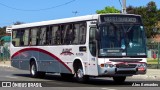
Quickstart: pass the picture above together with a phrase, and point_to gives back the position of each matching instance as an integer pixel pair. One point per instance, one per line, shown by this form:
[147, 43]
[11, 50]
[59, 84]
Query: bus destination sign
[119, 19]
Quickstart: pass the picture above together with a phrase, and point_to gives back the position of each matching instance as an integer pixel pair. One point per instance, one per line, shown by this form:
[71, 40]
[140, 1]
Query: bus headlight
[109, 65]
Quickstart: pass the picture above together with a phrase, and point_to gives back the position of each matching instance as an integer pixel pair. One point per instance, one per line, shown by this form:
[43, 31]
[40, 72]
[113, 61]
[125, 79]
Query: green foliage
[108, 10]
[150, 16]
[2, 31]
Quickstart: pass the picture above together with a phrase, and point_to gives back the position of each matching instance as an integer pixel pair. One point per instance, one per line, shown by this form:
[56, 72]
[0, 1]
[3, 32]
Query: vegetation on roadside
[152, 61]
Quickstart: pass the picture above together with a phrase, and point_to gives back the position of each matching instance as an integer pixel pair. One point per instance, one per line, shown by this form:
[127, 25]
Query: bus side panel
[21, 59]
[46, 61]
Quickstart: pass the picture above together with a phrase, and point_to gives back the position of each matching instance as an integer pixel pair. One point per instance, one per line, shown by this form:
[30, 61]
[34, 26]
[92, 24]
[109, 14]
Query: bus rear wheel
[34, 73]
[119, 79]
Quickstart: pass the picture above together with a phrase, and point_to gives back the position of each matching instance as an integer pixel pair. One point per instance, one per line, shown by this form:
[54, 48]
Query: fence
[153, 54]
[4, 53]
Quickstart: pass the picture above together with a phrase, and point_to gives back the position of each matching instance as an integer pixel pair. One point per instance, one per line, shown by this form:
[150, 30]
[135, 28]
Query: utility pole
[124, 7]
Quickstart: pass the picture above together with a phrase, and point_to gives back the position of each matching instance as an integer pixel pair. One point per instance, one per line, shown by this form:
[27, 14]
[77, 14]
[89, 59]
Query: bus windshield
[121, 39]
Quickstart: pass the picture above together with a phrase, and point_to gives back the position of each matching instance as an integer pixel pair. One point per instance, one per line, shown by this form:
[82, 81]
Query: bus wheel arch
[76, 64]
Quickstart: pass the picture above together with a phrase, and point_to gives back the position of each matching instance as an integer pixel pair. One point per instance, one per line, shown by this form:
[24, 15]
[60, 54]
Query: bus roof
[64, 20]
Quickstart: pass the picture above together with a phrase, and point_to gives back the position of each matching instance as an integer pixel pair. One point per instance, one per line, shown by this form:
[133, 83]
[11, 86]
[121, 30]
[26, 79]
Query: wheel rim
[33, 69]
[80, 74]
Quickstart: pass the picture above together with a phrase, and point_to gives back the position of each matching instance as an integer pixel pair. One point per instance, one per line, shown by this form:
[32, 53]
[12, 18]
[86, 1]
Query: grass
[152, 61]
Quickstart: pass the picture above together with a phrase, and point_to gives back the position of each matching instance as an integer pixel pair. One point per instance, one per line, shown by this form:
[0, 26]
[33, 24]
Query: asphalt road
[55, 82]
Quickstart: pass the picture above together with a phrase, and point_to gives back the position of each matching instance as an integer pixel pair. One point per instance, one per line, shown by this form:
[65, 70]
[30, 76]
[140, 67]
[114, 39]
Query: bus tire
[80, 77]
[119, 79]
[33, 71]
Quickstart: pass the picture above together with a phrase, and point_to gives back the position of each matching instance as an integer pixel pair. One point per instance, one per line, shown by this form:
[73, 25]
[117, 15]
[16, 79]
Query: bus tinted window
[16, 38]
[26, 37]
[68, 34]
[42, 37]
[34, 39]
[54, 30]
[76, 33]
[49, 35]
[20, 37]
[64, 34]
[58, 36]
[82, 33]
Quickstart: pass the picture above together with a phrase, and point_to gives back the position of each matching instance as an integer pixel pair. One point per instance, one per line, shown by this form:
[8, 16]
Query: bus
[100, 45]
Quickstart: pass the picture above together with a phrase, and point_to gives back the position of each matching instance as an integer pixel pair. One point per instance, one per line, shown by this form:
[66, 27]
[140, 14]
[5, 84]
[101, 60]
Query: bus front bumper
[122, 69]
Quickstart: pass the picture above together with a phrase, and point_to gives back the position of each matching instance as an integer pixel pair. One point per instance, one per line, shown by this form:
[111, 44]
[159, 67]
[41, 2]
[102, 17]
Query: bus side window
[76, 33]
[58, 36]
[26, 37]
[48, 35]
[42, 40]
[54, 29]
[82, 32]
[34, 36]
[16, 39]
[69, 34]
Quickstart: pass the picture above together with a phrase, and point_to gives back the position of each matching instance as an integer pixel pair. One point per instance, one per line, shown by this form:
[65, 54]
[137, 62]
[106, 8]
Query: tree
[108, 10]
[18, 23]
[2, 31]
[158, 15]
[149, 15]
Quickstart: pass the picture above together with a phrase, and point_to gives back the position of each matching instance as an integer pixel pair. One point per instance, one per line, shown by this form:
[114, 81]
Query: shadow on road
[51, 80]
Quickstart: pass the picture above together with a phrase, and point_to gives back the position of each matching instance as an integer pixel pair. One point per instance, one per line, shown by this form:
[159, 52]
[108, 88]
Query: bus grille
[125, 60]
[126, 72]
[126, 66]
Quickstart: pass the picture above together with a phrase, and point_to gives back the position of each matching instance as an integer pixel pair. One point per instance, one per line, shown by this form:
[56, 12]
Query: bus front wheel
[80, 76]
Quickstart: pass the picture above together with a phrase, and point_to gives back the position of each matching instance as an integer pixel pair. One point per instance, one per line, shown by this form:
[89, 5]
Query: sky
[28, 11]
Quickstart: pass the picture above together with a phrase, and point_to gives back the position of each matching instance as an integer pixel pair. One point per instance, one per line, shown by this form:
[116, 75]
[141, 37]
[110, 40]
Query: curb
[2, 65]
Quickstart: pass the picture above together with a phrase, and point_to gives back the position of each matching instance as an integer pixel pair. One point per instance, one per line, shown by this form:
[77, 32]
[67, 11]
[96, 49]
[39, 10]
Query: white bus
[111, 45]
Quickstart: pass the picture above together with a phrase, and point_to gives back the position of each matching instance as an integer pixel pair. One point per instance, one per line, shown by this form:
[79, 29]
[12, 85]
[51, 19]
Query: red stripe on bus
[43, 51]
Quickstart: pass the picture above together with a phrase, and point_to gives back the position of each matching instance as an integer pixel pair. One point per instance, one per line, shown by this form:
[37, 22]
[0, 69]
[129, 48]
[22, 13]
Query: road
[55, 82]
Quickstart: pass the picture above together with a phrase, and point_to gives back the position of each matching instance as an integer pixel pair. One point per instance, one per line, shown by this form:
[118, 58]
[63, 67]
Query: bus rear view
[121, 46]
